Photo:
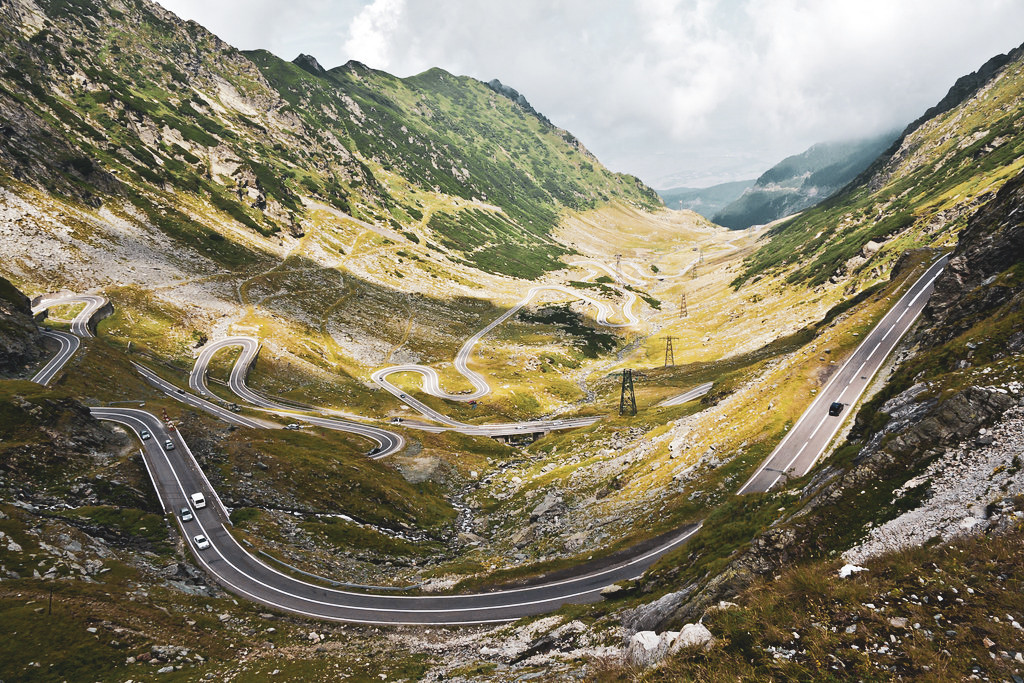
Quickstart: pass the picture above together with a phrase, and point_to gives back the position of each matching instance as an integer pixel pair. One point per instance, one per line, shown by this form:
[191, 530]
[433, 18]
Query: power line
[670, 358]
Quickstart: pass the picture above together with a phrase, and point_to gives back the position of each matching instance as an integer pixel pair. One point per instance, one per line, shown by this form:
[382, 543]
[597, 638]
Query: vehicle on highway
[169, 445]
[292, 426]
[198, 500]
[396, 420]
[401, 396]
[180, 391]
[201, 542]
[144, 435]
[836, 408]
[186, 515]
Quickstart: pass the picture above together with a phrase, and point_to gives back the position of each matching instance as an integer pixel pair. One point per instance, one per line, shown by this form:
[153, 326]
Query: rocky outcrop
[21, 344]
[971, 286]
[647, 648]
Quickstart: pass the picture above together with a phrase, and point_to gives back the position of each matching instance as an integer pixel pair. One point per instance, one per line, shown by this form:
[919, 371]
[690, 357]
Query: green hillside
[918, 193]
[127, 103]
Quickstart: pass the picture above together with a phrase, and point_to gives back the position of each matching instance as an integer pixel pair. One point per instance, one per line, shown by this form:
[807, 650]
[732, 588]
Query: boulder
[550, 506]
[693, 635]
[608, 591]
[647, 648]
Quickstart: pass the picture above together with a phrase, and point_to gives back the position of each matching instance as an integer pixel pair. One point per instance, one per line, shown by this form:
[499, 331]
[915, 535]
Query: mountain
[800, 181]
[920, 498]
[707, 201]
[919, 192]
[217, 149]
[933, 460]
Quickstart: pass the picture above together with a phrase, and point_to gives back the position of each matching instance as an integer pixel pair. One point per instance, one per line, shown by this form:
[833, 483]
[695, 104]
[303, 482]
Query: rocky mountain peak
[310, 64]
[517, 97]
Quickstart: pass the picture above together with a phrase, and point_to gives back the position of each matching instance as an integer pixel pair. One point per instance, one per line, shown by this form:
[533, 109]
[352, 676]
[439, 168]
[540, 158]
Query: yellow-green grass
[329, 472]
[972, 584]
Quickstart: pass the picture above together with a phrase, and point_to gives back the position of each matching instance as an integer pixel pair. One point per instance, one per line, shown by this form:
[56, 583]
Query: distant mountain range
[707, 201]
[797, 182]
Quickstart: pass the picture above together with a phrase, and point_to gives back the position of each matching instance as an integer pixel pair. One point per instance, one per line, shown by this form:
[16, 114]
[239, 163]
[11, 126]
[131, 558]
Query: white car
[186, 515]
[201, 542]
[198, 500]
[169, 445]
[144, 435]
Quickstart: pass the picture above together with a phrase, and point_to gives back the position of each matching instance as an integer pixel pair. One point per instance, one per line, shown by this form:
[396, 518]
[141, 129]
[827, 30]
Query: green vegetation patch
[493, 243]
[591, 342]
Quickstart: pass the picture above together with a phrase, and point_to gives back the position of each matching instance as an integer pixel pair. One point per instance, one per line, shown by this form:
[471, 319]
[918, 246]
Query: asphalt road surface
[69, 343]
[82, 321]
[696, 392]
[805, 443]
[201, 403]
[432, 381]
[388, 442]
[176, 475]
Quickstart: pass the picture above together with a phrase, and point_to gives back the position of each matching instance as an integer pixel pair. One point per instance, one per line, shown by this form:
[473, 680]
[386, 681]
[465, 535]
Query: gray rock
[549, 507]
[693, 635]
[608, 591]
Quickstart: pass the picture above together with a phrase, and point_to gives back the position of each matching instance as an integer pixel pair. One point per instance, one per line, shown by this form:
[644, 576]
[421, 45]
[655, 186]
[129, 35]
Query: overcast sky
[679, 92]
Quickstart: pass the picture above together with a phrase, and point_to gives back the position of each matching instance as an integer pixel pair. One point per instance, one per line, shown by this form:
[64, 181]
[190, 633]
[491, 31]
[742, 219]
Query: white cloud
[660, 86]
[371, 36]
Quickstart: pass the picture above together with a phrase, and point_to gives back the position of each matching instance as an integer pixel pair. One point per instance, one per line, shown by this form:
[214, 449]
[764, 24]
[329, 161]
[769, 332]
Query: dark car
[836, 408]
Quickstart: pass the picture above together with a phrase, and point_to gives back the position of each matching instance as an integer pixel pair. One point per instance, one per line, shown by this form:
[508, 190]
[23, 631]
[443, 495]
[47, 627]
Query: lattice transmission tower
[627, 400]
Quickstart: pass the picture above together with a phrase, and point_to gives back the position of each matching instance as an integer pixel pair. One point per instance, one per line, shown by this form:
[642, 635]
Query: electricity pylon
[627, 404]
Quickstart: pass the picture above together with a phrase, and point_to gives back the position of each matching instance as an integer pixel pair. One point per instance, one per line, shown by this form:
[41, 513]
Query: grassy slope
[808, 624]
[456, 135]
[243, 145]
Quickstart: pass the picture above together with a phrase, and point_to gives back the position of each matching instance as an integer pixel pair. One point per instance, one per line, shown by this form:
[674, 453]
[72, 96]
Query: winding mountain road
[69, 343]
[388, 442]
[432, 381]
[80, 327]
[81, 324]
[176, 475]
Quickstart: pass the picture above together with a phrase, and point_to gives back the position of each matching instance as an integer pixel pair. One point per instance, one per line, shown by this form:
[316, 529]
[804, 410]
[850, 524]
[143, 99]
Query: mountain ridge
[801, 180]
[171, 110]
[917, 193]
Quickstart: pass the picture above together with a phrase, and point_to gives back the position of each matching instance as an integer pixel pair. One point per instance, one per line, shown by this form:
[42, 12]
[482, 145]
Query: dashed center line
[816, 430]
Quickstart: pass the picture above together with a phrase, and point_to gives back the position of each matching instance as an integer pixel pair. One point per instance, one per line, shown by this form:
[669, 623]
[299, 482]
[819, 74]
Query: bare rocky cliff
[21, 344]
